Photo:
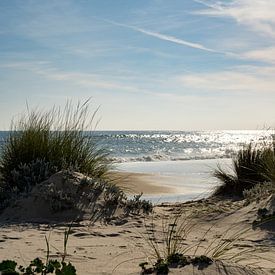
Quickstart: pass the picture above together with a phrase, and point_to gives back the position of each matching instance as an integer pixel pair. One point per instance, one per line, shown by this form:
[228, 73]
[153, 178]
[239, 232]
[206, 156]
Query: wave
[157, 158]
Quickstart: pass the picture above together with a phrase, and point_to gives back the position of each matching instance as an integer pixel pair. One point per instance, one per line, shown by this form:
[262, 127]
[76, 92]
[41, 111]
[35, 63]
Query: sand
[119, 247]
[146, 183]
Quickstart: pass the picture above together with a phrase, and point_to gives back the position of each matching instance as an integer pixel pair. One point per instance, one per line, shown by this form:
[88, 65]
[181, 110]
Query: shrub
[252, 165]
[42, 143]
[136, 205]
[259, 191]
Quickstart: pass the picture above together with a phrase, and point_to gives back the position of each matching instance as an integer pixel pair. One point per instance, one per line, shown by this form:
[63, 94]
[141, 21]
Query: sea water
[184, 160]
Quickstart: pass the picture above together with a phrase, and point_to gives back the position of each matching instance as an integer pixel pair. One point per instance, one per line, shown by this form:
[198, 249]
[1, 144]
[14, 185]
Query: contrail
[164, 37]
[209, 5]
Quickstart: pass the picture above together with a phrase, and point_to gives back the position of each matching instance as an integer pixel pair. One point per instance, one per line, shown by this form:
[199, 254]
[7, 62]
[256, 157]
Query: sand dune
[119, 246]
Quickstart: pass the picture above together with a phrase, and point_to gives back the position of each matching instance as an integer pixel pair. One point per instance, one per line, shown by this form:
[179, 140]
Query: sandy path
[119, 247]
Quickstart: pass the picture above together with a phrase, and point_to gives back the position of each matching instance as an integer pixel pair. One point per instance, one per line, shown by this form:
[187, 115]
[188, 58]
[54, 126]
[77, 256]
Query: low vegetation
[253, 165]
[43, 143]
[259, 192]
[37, 266]
[55, 145]
[170, 249]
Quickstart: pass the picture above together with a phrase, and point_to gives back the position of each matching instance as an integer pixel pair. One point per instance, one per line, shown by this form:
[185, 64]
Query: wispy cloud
[258, 15]
[266, 55]
[164, 37]
[99, 82]
[47, 70]
[237, 80]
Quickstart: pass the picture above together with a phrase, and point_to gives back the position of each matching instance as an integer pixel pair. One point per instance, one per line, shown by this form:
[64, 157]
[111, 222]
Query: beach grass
[170, 248]
[254, 164]
[43, 142]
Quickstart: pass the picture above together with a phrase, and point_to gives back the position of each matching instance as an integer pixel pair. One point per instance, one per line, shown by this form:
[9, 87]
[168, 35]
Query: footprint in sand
[11, 238]
[80, 248]
[136, 237]
[113, 235]
[120, 222]
[81, 234]
[98, 234]
[125, 231]
[90, 258]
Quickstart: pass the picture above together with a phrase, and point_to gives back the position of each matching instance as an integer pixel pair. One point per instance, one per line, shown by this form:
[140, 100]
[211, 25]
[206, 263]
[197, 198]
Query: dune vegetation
[43, 143]
[45, 146]
[253, 165]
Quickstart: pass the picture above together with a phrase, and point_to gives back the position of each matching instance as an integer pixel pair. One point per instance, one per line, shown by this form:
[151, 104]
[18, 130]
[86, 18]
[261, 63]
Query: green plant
[201, 261]
[176, 254]
[172, 251]
[259, 191]
[174, 231]
[7, 267]
[161, 267]
[37, 266]
[252, 165]
[28, 175]
[178, 259]
[42, 143]
[136, 205]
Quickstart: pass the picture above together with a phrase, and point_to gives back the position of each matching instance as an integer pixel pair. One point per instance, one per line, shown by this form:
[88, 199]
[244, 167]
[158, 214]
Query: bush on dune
[42, 143]
[253, 165]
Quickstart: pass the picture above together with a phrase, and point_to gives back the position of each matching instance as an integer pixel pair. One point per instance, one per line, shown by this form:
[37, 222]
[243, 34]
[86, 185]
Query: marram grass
[54, 138]
[252, 165]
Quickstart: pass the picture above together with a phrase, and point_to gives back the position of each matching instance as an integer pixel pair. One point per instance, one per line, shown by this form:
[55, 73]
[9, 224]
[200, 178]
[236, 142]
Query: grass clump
[221, 250]
[42, 143]
[137, 205]
[254, 164]
[168, 249]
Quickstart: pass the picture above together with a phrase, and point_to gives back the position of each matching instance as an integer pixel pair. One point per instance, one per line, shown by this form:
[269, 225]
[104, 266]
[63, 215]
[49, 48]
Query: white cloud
[237, 80]
[264, 55]
[90, 80]
[258, 15]
[98, 82]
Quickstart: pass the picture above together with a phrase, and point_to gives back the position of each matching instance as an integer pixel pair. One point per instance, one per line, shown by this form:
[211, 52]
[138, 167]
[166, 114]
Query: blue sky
[148, 64]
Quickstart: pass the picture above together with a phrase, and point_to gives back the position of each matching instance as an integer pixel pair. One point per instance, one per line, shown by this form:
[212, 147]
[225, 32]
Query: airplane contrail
[164, 37]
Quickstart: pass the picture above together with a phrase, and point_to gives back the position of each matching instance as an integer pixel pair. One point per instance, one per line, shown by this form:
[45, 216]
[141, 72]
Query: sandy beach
[136, 183]
[119, 246]
[137, 137]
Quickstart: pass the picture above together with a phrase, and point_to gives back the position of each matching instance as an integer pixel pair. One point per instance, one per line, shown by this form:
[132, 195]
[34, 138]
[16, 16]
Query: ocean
[150, 146]
[184, 160]
[139, 146]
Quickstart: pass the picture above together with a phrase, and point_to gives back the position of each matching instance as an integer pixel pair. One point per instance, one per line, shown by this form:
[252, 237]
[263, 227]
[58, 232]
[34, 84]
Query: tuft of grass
[137, 205]
[167, 247]
[253, 164]
[50, 141]
[175, 254]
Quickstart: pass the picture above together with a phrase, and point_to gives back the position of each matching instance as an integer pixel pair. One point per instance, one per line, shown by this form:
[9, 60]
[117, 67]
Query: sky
[147, 64]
